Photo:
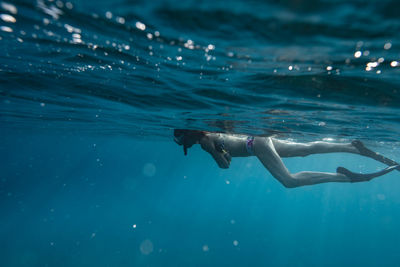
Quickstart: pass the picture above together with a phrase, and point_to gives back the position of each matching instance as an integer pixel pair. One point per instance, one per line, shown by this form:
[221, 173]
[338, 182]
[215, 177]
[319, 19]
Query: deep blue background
[68, 202]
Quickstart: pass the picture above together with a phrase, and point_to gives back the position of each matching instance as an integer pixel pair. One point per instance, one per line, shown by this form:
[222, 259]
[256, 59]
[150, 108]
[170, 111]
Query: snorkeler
[269, 151]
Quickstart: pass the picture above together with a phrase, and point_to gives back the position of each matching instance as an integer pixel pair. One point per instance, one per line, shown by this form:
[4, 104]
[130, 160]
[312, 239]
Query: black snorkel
[180, 139]
[187, 138]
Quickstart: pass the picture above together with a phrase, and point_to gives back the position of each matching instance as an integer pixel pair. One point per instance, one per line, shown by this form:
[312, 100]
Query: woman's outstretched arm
[222, 158]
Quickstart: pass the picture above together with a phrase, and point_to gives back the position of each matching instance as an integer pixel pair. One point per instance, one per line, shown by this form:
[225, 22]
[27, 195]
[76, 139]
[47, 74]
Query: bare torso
[236, 145]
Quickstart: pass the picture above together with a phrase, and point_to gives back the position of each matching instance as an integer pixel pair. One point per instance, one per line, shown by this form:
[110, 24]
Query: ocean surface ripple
[303, 69]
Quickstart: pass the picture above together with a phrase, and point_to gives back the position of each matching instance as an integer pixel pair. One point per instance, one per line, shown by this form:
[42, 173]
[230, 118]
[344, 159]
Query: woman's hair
[187, 138]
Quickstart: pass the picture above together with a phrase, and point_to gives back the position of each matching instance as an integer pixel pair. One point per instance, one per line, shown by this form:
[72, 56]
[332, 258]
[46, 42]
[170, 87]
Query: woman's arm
[222, 158]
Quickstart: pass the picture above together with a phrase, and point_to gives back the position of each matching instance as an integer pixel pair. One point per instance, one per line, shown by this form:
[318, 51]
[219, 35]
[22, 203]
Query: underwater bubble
[69, 5]
[372, 64]
[72, 29]
[149, 169]
[235, 243]
[7, 18]
[140, 26]
[387, 46]
[6, 29]
[9, 7]
[381, 197]
[120, 20]
[146, 247]
[205, 248]
[357, 54]
[109, 15]
[52, 10]
[189, 44]
[59, 4]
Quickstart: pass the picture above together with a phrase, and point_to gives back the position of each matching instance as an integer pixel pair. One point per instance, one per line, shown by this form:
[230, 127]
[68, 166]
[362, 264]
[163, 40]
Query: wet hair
[187, 138]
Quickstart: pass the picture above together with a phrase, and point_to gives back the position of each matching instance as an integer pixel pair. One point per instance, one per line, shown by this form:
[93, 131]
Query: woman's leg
[266, 153]
[292, 149]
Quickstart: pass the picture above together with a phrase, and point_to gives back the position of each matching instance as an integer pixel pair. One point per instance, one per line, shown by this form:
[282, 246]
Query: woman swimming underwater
[270, 151]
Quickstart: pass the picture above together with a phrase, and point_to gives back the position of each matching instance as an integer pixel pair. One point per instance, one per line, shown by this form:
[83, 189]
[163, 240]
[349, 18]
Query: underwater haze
[90, 92]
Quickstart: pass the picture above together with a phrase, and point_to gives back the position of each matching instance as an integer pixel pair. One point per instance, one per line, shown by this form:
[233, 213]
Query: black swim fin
[371, 154]
[360, 177]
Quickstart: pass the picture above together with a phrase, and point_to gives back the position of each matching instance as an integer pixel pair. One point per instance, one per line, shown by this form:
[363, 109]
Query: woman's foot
[360, 177]
[364, 151]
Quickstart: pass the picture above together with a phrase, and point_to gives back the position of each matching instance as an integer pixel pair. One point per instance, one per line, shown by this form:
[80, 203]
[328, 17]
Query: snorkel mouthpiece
[187, 138]
[179, 138]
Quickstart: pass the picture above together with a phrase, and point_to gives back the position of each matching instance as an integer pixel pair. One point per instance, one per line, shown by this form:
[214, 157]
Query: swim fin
[360, 177]
[371, 154]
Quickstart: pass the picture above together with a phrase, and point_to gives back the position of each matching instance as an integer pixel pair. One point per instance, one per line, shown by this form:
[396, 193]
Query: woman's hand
[223, 158]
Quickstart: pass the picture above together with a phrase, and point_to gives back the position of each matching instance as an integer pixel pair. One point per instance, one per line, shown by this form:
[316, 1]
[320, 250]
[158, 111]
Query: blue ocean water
[90, 93]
